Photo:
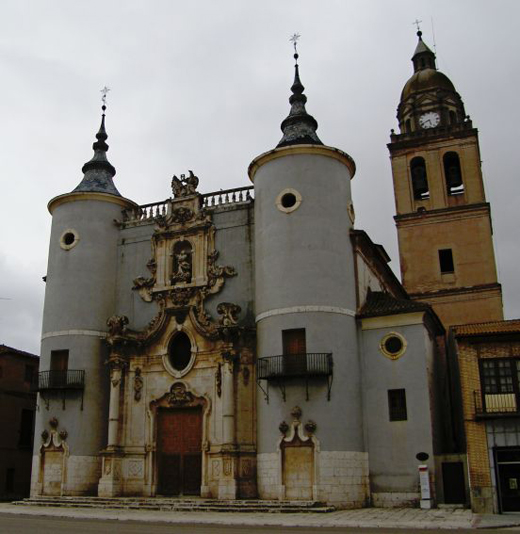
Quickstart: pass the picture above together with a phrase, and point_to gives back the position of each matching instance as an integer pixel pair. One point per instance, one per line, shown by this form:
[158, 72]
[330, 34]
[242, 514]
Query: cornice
[291, 150]
[82, 196]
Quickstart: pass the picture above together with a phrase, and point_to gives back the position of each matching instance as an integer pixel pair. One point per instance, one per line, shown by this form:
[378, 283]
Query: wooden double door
[179, 451]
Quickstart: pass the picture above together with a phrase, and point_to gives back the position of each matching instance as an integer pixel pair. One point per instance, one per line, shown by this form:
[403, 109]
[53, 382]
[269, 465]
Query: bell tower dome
[429, 98]
[443, 219]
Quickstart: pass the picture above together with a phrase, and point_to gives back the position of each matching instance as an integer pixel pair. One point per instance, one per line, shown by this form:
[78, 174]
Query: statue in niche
[182, 262]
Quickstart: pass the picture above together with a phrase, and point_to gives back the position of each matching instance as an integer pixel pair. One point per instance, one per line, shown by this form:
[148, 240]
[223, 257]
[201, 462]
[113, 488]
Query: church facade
[251, 343]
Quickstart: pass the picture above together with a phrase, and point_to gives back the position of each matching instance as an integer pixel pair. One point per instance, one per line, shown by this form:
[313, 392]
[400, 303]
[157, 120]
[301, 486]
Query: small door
[294, 351]
[453, 483]
[508, 474]
[179, 451]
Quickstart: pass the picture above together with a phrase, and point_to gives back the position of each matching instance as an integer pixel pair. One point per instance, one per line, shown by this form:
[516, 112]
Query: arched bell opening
[453, 173]
[419, 179]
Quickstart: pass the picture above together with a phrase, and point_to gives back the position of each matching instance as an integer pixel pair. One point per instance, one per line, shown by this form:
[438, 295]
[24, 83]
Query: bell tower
[443, 220]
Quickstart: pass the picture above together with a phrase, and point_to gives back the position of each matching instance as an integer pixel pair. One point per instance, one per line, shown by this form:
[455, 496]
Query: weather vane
[104, 92]
[417, 22]
[294, 40]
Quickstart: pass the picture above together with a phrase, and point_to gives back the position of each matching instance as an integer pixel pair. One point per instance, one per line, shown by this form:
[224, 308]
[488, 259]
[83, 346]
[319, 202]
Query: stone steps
[178, 504]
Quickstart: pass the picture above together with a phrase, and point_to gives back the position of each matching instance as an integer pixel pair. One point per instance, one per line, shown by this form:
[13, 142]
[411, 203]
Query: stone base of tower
[337, 477]
[56, 474]
[110, 483]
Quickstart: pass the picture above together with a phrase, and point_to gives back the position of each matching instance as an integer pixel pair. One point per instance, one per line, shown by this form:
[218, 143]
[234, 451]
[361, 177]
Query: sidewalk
[402, 518]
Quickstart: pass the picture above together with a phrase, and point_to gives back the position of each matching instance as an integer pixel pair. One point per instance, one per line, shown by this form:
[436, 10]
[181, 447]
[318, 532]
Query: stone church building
[251, 343]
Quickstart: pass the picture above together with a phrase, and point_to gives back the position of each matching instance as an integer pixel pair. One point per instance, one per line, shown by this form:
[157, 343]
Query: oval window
[180, 352]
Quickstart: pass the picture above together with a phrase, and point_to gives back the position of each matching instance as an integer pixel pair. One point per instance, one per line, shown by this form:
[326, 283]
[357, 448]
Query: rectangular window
[294, 351]
[446, 261]
[26, 429]
[397, 405]
[500, 384]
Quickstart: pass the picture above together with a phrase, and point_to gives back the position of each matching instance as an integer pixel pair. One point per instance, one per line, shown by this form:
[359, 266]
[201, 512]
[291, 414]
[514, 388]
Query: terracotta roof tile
[380, 303]
[494, 327]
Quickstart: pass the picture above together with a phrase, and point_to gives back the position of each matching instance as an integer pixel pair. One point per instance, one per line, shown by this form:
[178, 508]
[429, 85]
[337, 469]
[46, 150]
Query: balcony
[491, 405]
[49, 382]
[280, 369]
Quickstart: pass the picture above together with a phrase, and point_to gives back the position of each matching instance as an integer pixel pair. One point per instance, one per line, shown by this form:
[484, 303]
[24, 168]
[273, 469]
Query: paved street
[31, 524]
[16, 519]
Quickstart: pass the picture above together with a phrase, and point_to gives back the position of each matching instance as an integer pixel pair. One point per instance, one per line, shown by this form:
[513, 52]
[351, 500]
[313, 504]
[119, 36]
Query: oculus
[69, 239]
[288, 200]
[393, 345]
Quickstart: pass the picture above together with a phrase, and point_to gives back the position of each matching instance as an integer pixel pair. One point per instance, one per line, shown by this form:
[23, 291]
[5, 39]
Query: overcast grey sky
[204, 85]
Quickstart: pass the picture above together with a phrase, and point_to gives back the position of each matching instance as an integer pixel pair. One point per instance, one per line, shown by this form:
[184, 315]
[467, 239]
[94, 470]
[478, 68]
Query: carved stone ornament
[184, 186]
[180, 296]
[182, 215]
[179, 395]
[310, 427]
[63, 434]
[138, 384]
[45, 435]
[143, 286]
[117, 325]
[53, 422]
[283, 427]
[217, 273]
[296, 412]
[229, 313]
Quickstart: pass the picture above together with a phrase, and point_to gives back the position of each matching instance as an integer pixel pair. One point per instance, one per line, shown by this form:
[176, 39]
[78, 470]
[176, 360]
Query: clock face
[429, 120]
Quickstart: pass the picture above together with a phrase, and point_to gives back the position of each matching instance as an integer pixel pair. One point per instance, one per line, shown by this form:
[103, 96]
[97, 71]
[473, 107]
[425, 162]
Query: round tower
[80, 295]
[309, 411]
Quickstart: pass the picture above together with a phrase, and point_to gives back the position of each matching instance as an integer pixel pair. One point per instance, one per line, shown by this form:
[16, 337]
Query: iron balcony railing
[293, 365]
[495, 404]
[60, 380]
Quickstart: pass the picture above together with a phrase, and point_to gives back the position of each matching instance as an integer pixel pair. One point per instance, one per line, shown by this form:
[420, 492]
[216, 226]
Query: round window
[69, 239]
[180, 352]
[393, 345]
[288, 200]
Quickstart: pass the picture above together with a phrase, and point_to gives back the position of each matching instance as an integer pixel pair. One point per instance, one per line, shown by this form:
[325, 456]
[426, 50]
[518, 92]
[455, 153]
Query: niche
[182, 262]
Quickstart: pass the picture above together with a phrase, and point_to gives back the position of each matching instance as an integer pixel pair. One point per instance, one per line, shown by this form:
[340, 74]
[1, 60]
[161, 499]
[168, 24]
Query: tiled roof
[492, 328]
[380, 303]
[4, 349]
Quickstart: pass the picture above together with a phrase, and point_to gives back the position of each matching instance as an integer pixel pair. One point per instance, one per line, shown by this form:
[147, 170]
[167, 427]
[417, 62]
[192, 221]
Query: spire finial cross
[294, 40]
[104, 93]
[417, 22]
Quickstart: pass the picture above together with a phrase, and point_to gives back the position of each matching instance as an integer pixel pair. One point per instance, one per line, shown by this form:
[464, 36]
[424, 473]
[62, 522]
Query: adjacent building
[18, 369]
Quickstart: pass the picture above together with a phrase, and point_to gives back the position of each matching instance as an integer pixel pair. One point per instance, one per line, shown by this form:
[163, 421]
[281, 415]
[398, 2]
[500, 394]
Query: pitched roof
[491, 328]
[4, 349]
[381, 303]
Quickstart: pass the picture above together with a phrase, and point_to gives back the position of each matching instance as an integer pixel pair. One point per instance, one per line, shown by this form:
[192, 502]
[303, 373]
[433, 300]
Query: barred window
[397, 405]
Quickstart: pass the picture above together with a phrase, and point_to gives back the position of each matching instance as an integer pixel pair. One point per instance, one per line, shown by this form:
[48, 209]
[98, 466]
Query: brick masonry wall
[480, 475]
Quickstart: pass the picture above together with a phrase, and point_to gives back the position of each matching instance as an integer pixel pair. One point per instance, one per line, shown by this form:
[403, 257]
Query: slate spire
[98, 172]
[423, 57]
[298, 127]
